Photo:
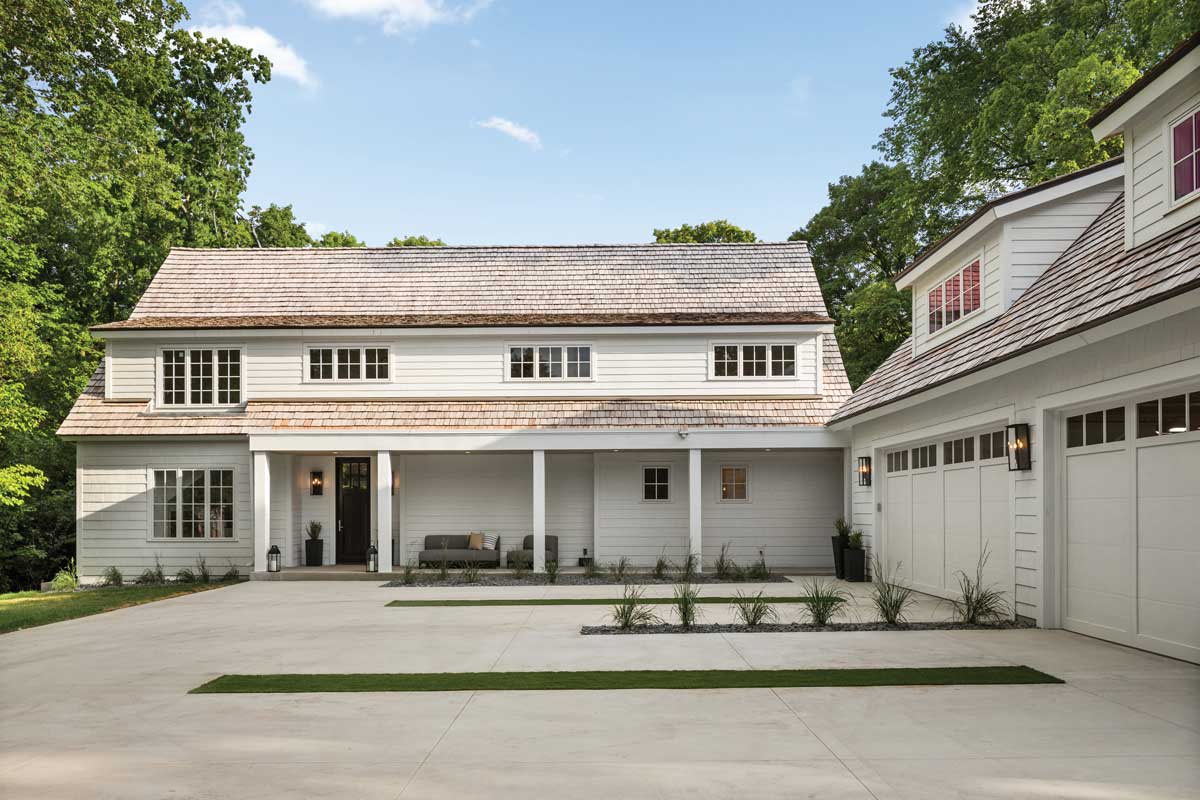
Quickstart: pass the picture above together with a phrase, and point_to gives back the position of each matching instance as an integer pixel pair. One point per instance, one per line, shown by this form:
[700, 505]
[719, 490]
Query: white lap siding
[569, 504]
[627, 525]
[114, 507]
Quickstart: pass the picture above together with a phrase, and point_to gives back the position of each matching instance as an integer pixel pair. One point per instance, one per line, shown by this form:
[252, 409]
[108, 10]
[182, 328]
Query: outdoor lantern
[317, 482]
[864, 471]
[1017, 438]
[273, 556]
[372, 559]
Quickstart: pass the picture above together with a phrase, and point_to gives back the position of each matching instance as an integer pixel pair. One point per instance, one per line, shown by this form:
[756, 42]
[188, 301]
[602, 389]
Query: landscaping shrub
[685, 604]
[232, 574]
[724, 565]
[979, 603]
[630, 611]
[113, 577]
[470, 573]
[758, 570]
[662, 565]
[520, 569]
[619, 570]
[410, 573]
[185, 575]
[754, 609]
[591, 569]
[687, 570]
[824, 600]
[153, 576]
[66, 579]
[891, 598]
[443, 572]
[203, 575]
[552, 571]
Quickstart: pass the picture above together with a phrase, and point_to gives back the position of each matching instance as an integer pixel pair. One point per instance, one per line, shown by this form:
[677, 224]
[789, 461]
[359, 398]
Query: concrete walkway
[97, 708]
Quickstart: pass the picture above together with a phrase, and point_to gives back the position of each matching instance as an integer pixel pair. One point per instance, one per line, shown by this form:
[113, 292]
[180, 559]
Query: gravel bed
[640, 579]
[797, 627]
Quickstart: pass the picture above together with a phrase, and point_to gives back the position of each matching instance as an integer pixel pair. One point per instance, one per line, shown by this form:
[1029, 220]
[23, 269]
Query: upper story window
[201, 376]
[550, 362]
[1185, 155]
[956, 298]
[349, 363]
[754, 361]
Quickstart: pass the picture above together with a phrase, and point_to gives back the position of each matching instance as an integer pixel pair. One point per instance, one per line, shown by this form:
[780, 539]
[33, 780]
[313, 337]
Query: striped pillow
[490, 540]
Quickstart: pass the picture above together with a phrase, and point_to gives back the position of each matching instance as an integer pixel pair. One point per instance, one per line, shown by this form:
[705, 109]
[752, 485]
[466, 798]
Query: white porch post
[262, 509]
[695, 508]
[383, 508]
[539, 510]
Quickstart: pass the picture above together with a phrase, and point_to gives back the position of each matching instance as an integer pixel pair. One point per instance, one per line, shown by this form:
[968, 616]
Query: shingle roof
[451, 282]
[92, 415]
[1093, 281]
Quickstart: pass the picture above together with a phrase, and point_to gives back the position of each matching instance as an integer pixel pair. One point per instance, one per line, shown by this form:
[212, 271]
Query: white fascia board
[556, 440]
[1116, 122]
[525, 332]
[976, 228]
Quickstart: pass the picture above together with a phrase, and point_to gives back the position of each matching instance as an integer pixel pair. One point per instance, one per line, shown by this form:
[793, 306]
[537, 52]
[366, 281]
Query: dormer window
[1185, 155]
[956, 298]
[200, 377]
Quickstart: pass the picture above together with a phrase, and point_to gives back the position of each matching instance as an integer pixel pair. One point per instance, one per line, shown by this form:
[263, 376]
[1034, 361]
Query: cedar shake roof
[92, 415]
[1095, 280]
[663, 283]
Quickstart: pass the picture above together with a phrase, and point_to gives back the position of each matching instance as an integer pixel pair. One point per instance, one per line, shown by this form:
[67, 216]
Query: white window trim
[942, 285]
[641, 483]
[188, 405]
[306, 372]
[1168, 141]
[508, 378]
[721, 484]
[713, 344]
[150, 537]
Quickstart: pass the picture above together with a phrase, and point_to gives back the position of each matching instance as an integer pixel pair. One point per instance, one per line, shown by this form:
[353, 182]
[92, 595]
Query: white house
[645, 399]
[1072, 308]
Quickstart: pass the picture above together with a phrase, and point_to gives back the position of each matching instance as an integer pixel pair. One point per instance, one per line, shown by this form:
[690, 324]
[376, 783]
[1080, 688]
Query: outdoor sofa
[455, 551]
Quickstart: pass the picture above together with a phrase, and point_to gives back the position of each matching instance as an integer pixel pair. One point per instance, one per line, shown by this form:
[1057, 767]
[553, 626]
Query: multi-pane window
[1096, 427]
[320, 363]
[201, 377]
[924, 456]
[193, 504]
[897, 461]
[1178, 413]
[735, 483]
[656, 483]
[550, 362]
[377, 363]
[954, 299]
[1185, 156]
[958, 451]
[991, 445]
[754, 361]
[349, 363]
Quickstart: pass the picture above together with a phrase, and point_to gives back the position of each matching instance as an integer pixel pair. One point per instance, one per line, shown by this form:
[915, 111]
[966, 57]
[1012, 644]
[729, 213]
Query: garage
[944, 502]
[1132, 523]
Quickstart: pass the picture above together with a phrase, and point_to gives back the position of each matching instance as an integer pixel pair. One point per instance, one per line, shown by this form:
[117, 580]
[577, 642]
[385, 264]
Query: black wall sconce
[1016, 437]
[864, 471]
[317, 482]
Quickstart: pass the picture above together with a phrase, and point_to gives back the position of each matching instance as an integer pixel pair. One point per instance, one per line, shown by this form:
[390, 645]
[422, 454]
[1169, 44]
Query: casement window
[897, 461]
[1185, 156]
[924, 457]
[991, 445]
[954, 299]
[201, 377]
[349, 363]
[735, 483]
[656, 483]
[958, 451]
[193, 504]
[550, 362]
[754, 361]
[1095, 427]
[1178, 413]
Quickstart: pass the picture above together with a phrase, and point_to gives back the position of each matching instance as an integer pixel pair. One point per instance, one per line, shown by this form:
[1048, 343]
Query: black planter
[855, 562]
[839, 564]
[314, 552]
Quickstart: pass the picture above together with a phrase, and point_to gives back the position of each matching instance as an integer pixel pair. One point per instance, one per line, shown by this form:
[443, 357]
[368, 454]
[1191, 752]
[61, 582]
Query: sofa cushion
[491, 541]
[450, 541]
[475, 541]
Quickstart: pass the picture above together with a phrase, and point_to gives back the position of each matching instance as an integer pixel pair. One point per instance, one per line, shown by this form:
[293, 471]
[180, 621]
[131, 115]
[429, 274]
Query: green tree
[716, 231]
[275, 226]
[338, 239]
[415, 241]
[875, 320]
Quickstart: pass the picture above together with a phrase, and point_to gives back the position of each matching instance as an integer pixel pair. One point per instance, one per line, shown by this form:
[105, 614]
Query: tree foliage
[275, 226]
[415, 241]
[716, 231]
[339, 239]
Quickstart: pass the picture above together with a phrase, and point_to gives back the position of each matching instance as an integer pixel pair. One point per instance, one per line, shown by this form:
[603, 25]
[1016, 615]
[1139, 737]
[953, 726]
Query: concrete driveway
[98, 708]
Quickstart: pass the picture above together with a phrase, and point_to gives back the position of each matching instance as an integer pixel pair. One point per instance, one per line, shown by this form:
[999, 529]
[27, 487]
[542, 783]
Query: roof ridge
[451, 247]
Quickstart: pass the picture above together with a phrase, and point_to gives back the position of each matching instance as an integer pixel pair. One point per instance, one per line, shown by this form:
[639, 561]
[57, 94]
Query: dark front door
[353, 510]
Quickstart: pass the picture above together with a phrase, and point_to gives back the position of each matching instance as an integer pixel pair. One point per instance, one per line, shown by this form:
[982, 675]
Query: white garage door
[944, 502]
[1133, 524]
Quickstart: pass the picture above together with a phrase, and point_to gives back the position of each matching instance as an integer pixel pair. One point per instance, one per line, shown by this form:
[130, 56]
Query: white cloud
[396, 16]
[514, 130]
[961, 16]
[223, 20]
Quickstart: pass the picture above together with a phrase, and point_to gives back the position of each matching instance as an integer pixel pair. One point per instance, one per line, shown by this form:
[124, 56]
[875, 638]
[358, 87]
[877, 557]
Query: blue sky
[521, 122]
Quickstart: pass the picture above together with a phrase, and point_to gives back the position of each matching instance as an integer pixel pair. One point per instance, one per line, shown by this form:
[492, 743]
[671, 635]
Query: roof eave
[1111, 120]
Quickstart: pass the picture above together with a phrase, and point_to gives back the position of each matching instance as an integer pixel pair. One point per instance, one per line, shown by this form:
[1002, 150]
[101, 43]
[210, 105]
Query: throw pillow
[475, 541]
[490, 540]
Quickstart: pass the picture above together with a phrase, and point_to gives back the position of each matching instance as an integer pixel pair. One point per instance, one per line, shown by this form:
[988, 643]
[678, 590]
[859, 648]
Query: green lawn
[578, 601]
[20, 610]
[634, 679]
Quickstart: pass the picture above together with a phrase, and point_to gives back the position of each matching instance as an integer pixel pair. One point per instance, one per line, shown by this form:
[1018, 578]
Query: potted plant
[854, 558]
[314, 547]
[841, 538]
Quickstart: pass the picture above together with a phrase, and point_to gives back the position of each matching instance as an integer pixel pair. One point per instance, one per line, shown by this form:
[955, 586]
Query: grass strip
[20, 610]
[615, 679]
[576, 601]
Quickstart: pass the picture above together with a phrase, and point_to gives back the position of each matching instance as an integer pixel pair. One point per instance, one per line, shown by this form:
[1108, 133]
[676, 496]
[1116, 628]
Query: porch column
[262, 509]
[695, 508]
[383, 508]
[539, 510]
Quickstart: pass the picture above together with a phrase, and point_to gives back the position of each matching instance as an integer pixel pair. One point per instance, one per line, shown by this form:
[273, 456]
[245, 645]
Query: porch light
[317, 482]
[864, 471]
[372, 559]
[273, 556]
[1017, 438]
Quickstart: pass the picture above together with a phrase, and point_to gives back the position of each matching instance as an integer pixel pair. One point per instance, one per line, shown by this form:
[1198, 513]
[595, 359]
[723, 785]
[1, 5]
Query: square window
[725, 361]
[550, 362]
[734, 483]
[1147, 419]
[579, 362]
[1114, 424]
[377, 363]
[349, 364]
[656, 483]
[1174, 414]
[320, 364]
[1093, 427]
[754, 360]
[783, 360]
[520, 360]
